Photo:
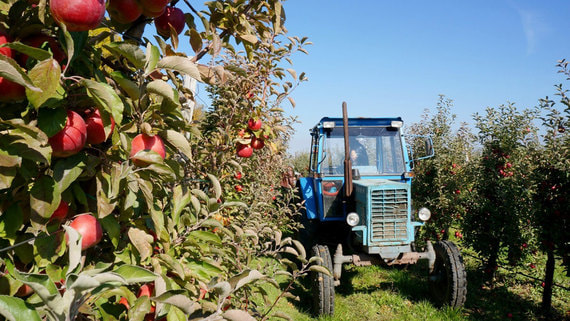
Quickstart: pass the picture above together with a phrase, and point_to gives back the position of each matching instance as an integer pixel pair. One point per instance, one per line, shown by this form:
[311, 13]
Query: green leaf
[33, 52]
[152, 56]
[51, 121]
[148, 157]
[8, 168]
[195, 40]
[162, 88]
[320, 269]
[249, 38]
[43, 287]
[179, 299]
[215, 185]
[11, 221]
[105, 97]
[74, 245]
[237, 315]
[16, 309]
[81, 282]
[205, 236]
[131, 51]
[178, 141]
[244, 278]
[135, 274]
[113, 229]
[179, 202]
[203, 269]
[10, 70]
[126, 84]
[182, 65]
[141, 240]
[300, 248]
[69, 44]
[45, 75]
[139, 310]
[45, 196]
[67, 170]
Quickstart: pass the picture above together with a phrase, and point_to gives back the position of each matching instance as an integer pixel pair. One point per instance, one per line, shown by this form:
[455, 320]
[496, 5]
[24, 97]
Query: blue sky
[393, 58]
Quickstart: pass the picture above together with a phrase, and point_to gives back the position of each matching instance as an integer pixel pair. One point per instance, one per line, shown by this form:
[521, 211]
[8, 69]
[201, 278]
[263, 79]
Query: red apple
[124, 302]
[172, 16]
[244, 150]
[9, 91]
[78, 15]
[153, 8]
[37, 41]
[254, 124]
[146, 290]
[71, 139]
[95, 128]
[147, 143]
[61, 212]
[238, 175]
[257, 143]
[24, 291]
[124, 11]
[89, 228]
[4, 38]
[238, 188]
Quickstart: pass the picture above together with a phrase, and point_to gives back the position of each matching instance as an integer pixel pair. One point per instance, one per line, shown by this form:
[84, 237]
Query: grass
[380, 293]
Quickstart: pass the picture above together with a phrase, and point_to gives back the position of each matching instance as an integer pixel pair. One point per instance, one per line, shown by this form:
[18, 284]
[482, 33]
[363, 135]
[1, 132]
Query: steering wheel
[330, 189]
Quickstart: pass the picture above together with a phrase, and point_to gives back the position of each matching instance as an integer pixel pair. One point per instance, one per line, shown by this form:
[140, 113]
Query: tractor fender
[308, 194]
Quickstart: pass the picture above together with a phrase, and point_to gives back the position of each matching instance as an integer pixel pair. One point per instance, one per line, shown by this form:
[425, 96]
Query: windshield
[374, 151]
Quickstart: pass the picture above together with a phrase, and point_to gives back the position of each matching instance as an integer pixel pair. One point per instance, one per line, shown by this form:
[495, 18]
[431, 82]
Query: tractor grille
[389, 214]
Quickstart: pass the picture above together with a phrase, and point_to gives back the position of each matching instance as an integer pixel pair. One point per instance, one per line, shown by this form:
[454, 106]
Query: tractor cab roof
[329, 122]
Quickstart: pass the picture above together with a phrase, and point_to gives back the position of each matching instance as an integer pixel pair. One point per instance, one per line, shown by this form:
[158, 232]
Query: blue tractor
[358, 204]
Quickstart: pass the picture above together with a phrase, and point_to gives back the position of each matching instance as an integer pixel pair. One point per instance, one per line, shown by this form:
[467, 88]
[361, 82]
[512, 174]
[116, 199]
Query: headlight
[424, 214]
[352, 219]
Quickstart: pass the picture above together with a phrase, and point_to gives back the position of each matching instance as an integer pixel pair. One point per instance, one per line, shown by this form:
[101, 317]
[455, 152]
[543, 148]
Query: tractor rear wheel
[322, 284]
[448, 280]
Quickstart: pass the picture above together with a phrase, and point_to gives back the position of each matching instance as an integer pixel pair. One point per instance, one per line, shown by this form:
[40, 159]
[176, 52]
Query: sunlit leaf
[131, 51]
[45, 75]
[182, 65]
[45, 196]
[16, 309]
[135, 274]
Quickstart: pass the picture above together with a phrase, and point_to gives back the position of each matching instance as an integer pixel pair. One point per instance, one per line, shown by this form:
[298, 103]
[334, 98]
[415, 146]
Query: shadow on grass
[483, 302]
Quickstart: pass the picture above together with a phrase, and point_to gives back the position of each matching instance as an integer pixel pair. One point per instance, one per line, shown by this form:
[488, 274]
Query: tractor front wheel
[448, 280]
[322, 284]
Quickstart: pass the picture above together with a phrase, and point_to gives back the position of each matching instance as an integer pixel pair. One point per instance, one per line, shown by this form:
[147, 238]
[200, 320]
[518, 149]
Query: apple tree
[552, 185]
[93, 125]
[497, 218]
[440, 182]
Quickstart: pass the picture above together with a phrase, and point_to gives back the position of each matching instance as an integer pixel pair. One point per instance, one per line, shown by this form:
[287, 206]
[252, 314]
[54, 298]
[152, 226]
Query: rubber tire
[322, 284]
[448, 280]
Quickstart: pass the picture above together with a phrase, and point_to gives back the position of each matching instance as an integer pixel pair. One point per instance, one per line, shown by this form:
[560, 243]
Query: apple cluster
[165, 17]
[246, 150]
[77, 132]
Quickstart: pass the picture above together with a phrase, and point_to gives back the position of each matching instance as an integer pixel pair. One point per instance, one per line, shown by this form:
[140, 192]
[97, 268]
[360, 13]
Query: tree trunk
[548, 277]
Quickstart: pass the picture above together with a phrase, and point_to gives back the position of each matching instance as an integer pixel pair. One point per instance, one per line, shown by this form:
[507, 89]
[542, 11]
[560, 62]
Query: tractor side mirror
[429, 147]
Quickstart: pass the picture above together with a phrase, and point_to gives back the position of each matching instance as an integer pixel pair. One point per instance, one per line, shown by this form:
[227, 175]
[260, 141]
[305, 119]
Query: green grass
[380, 293]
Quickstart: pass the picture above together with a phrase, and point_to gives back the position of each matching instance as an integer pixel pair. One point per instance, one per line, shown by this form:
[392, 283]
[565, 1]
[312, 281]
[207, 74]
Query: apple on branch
[172, 16]
[124, 11]
[71, 139]
[96, 129]
[78, 15]
[89, 228]
[9, 91]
